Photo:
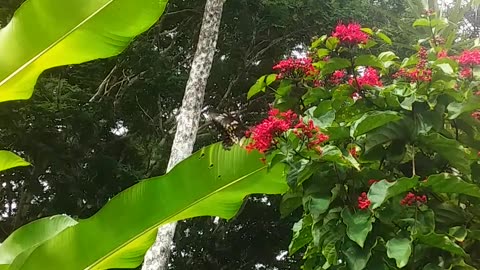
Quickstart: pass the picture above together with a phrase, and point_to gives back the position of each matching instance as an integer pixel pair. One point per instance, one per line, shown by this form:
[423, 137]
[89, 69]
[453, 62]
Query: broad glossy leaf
[400, 250]
[384, 37]
[261, 84]
[302, 234]
[31, 235]
[49, 33]
[441, 242]
[448, 183]
[356, 257]
[455, 109]
[449, 149]
[421, 22]
[359, 224]
[10, 160]
[211, 182]
[369, 61]
[373, 120]
[335, 63]
[383, 190]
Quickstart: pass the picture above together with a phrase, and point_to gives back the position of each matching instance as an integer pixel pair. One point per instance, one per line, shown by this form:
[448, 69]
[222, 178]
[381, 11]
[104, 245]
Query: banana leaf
[49, 33]
[212, 182]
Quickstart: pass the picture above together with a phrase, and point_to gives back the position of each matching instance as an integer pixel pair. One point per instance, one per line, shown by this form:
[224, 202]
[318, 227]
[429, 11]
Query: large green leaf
[441, 242]
[31, 235]
[359, 224]
[10, 160]
[383, 190]
[48, 33]
[399, 249]
[449, 149]
[212, 182]
[447, 183]
[373, 120]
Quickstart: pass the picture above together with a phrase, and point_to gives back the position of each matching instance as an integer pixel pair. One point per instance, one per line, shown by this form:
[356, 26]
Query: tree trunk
[158, 255]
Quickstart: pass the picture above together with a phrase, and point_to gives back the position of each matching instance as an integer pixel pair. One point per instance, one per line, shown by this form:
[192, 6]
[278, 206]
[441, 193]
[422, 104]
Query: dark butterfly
[229, 125]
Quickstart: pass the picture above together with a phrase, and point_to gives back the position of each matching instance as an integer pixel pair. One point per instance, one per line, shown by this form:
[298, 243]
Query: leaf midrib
[156, 225]
[37, 56]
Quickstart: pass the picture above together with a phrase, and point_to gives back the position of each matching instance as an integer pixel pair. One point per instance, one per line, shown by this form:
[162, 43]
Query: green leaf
[332, 43]
[318, 41]
[358, 224]
[458, 232]
[455, 109]
[322, 52]
[448, 183]
[318, 205]
[384, 37]
[301, 234]
[27, 237]
[401, 130]
[383, 190]
[373, 120]
[356, 257]
[421, 22]
[335, 63]
[290, 201]
[70, 32]
[258, 87]
[399, 249]
[449, 149]
[446, 68]
[387, 56]
[325, 120]
[10, 160]
[211, 182]
[367, 30]
[368, 60]
[441, 242]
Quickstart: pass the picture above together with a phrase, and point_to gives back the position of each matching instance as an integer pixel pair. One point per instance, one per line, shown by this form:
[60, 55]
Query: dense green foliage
[392, 181]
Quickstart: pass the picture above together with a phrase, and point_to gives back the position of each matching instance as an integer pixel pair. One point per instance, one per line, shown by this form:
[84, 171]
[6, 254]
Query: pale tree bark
[158, 255]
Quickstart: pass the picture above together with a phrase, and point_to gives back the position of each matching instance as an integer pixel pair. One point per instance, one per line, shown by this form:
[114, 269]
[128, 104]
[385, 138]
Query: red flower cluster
[442, 54]
[337, 77]
[418, 74]
[476, 115]
[466, 72]
[350, 34]
[363, 201]
[370, 78]
[411, 198]
[265, 134]
[469, 58]
[274, 125]
[295, 68]
[311, 133]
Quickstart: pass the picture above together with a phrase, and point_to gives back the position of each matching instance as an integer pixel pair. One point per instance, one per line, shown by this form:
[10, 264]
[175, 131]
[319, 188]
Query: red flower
[477, 93]
[469, 57]
[370, 78]
[476, 115]
[442, 54]
[337, 77]
[418, 74]
[350, 34]
[264, 134]
[411, 198]
[295, 68]
[310, 132]
[466, 72]
[363, 201]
